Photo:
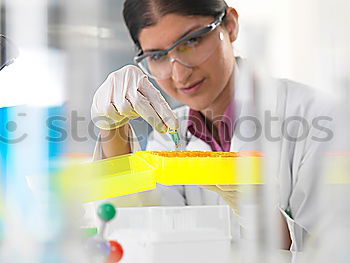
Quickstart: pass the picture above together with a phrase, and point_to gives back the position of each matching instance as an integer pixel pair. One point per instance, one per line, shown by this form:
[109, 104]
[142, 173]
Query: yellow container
[186, 168]
[141, 171]
[108, 178]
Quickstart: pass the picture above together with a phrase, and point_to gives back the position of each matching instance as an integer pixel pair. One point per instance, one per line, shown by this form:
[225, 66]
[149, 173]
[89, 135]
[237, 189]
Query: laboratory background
[54, 206]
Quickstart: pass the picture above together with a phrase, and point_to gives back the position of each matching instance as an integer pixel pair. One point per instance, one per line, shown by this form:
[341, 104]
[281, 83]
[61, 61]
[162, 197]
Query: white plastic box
[172, 234]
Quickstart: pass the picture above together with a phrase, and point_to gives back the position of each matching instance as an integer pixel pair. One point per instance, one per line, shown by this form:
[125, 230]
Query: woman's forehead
[169, 29]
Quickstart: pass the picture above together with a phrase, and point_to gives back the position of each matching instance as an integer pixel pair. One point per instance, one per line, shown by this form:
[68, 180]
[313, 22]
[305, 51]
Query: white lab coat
[298, 173]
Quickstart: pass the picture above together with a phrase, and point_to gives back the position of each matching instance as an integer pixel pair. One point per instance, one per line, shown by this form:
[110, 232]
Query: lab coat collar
[189, 142]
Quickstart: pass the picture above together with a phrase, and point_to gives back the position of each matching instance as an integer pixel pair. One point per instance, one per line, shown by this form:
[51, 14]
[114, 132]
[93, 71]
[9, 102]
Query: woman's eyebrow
[183, 35]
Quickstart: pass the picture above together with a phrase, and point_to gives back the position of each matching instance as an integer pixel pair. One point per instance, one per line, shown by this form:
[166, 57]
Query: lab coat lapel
[244, 130]
[244, 111]
[195, 144]
[191, 142]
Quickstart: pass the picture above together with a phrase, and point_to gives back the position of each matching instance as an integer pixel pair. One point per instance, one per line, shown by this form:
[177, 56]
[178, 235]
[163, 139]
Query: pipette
[175, 137]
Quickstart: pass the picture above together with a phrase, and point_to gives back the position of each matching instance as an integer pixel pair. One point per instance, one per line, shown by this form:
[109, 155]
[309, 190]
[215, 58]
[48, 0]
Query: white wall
[305, 39]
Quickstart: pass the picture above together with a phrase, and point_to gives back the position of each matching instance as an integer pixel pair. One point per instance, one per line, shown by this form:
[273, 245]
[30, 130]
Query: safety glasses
[191, 50]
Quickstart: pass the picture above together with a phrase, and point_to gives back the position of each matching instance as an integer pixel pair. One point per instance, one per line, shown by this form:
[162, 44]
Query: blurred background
[66, 49]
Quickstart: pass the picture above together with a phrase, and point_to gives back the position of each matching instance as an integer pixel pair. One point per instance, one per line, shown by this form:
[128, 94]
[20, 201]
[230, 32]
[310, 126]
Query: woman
[187, 47]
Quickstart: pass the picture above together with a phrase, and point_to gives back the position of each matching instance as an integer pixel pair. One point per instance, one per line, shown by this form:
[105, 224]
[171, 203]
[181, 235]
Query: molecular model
[99, 249]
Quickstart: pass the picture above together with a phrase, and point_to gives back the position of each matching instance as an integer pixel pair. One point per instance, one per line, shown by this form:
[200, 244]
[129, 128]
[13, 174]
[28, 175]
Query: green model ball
[106, 212]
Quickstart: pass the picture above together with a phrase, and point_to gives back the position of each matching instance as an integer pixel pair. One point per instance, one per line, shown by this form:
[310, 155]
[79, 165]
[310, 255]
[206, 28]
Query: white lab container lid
[173, 234]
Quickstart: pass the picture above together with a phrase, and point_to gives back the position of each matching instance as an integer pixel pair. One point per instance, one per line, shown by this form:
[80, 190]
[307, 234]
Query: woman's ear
[232, 23]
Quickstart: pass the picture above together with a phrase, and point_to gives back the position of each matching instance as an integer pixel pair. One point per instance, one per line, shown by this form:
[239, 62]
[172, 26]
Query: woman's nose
[180, 72]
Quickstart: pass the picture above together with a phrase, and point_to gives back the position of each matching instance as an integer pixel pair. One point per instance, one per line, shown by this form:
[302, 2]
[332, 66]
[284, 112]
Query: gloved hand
[230, 193]
[128, 94]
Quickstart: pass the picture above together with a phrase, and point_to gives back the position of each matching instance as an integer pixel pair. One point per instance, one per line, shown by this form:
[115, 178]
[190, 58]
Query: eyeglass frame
[207, 29]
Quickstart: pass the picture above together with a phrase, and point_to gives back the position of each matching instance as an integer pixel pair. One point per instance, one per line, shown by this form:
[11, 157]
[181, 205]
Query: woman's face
[200, 86]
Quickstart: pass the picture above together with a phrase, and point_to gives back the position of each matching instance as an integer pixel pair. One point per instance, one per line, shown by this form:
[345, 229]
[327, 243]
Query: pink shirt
[197, 126]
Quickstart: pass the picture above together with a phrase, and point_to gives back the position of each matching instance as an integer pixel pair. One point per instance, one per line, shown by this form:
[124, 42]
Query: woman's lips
[193, 88]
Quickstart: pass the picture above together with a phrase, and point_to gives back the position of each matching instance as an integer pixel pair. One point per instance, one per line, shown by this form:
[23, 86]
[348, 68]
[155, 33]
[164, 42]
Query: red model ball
[116, 252]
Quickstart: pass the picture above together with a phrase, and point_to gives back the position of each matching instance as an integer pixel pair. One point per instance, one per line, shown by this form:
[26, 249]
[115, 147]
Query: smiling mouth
[193, 88]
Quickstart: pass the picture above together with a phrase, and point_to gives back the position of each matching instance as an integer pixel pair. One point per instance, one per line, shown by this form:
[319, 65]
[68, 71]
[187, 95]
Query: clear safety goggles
[191, 50]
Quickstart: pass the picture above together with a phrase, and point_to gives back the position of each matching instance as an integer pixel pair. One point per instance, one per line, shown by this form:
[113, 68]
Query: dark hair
[139, 14]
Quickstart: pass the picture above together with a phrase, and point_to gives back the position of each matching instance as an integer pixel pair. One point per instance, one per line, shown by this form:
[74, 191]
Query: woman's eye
[189, 44]
[192, 41]
[157, 57]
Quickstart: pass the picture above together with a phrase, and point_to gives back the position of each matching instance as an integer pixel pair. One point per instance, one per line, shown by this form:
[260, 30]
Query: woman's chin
[198, 106]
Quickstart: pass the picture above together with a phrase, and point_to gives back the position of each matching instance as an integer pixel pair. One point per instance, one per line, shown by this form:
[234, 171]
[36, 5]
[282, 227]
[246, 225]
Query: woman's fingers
[228, 187]
[230, 196]
[103, 111]
[158, 102]
[131, 94]
[143, 107]
[121, 83]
